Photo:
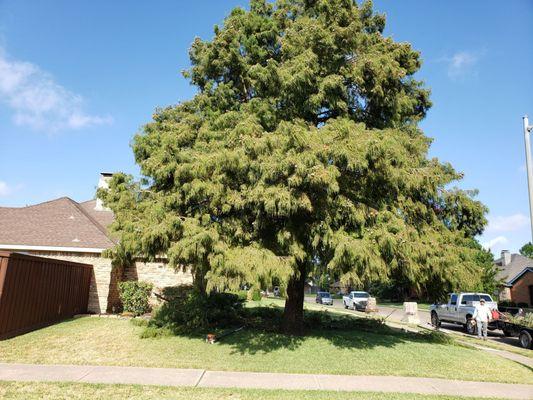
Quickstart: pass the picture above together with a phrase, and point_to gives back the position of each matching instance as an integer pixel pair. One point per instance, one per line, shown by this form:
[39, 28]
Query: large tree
[527, 250]
[301, 148]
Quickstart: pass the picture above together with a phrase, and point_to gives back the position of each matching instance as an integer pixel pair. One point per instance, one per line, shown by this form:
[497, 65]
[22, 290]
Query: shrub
[242, 295]
[134, 296]
[256, 294]
[186, 311]
[522, 305]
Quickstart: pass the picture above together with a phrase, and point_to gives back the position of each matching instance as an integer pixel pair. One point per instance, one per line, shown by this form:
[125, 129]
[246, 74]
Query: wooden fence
[36, 292]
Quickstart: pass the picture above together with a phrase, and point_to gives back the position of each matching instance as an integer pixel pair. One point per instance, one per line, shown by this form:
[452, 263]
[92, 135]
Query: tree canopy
[527, 250]
[301, 147]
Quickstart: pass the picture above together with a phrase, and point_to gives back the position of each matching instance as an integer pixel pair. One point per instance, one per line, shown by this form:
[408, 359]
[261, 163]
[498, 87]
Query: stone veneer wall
[158, 273]
[103, 293]
[504, 294]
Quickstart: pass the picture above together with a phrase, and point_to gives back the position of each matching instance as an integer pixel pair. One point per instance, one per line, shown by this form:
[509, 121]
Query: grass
[105, 341]
[386, 303]
[78, 391]
[497, 346]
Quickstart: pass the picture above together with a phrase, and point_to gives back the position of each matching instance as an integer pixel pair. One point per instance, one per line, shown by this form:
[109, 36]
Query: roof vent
[103, 183]
[506, 258]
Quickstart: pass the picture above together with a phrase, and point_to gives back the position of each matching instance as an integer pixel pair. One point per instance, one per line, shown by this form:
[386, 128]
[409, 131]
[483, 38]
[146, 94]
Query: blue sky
[78, 79]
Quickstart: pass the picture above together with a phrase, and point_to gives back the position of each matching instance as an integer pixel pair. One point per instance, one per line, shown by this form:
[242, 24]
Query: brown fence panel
[37, 291]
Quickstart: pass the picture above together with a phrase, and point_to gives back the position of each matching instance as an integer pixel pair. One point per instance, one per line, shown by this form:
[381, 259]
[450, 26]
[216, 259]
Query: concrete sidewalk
[256, 380]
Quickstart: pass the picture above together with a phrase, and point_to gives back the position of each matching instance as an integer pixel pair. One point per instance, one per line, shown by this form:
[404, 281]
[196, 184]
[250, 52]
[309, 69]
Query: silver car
[324, 298]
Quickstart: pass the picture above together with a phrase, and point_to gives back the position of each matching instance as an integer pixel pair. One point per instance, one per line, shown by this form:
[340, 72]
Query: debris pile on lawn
[526, 320]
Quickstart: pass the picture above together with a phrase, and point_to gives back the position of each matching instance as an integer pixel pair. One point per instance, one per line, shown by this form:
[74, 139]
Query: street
[396, 314]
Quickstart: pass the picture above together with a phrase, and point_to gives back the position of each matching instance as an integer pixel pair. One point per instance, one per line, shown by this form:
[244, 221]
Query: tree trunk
[293, 316]
[198, 280]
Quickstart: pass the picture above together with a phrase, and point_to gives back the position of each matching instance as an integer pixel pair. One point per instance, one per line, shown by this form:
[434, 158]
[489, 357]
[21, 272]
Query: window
[466, 298]
[453, 300]
[361, 294]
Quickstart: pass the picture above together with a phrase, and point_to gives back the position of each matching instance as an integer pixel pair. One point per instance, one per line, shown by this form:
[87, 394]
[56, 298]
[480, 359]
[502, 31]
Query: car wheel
[354, 307]
[471, 327]
[435, 321]
[525, 340]
[345, 306]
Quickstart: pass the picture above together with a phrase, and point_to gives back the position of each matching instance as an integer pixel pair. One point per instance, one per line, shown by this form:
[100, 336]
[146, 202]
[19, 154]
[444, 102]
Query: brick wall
[520, 289]
[103, 294]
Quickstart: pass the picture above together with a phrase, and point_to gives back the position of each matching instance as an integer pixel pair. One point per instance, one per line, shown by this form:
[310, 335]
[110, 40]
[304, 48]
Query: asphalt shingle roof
[510, 271]
[59, 223]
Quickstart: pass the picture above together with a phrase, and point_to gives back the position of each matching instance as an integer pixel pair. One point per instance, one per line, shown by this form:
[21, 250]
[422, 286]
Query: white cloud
[38, 101]
[492, 243]
[5, 189]
[461, 63]
[507, 223]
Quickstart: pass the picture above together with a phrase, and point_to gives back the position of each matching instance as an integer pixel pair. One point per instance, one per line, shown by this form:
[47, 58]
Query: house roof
[61, 223]
[511, 272]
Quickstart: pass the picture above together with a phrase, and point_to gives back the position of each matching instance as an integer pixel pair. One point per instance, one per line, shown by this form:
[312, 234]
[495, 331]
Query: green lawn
[385, 303]
[106, 341]
[79, 391]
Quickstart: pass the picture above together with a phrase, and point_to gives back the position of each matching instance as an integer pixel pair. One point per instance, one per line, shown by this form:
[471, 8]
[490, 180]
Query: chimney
[103, 183]
[506, 258]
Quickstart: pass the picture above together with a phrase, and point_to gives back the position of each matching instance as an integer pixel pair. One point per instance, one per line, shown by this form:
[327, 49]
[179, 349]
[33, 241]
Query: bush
[256, 294]
[187, 311]
[134, 296]
[522, 305]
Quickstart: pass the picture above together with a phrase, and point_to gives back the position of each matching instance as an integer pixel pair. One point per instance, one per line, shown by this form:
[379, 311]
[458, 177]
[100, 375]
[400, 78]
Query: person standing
[482, 315]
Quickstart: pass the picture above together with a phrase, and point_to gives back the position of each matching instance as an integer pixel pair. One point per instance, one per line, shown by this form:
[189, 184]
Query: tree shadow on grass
[345, 332]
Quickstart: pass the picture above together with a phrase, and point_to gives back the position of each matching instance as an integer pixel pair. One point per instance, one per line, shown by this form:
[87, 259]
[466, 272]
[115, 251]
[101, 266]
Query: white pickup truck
[356, 300]
[460, 309]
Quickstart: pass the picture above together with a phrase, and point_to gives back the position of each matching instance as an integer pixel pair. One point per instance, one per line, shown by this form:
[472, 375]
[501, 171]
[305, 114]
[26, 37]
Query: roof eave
[65, 249]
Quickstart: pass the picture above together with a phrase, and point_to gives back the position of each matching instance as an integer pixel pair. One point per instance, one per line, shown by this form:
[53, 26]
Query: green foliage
[188, 311]
[527, 250]
[489, 282]
[134, 296]
[255, 294]
[139, 322]
[526, 320]
[300, 148]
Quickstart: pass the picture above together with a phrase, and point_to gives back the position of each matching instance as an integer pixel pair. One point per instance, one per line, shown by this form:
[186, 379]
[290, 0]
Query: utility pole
[529, 167]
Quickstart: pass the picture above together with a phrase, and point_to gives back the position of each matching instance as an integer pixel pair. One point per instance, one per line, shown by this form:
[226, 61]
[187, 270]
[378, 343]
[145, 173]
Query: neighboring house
[67, 230]
[338, 287]
[516, 271]
[310, 288]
